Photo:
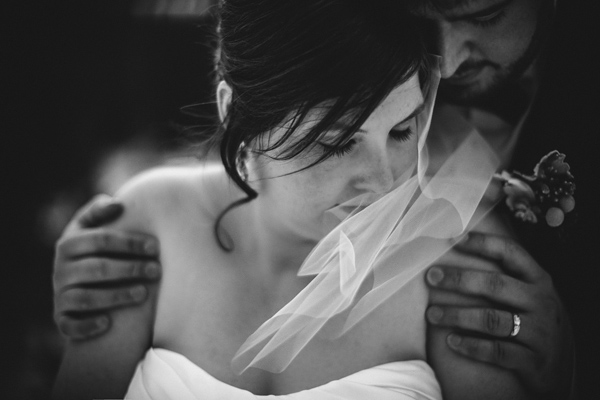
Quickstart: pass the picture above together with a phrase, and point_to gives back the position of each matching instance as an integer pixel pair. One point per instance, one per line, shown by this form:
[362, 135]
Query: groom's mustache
[469, 67]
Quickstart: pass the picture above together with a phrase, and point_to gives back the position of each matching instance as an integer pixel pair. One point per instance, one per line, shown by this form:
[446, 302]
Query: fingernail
[435, 275]
[434, 314]
[138, 293]
[151, 247]
[454, 340]
[151, 270]
[110, 203]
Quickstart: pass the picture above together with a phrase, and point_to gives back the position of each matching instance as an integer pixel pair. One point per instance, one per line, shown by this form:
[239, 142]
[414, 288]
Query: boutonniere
[547, 194]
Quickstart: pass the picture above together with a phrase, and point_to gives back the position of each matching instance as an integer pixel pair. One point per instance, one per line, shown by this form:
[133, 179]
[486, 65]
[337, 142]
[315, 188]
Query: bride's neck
[262, 240]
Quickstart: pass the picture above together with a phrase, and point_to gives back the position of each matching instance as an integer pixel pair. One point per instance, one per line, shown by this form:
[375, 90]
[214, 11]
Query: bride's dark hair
[282, 58]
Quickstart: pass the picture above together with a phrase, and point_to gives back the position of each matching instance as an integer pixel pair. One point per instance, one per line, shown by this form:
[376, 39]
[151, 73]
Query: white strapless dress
[166, 375]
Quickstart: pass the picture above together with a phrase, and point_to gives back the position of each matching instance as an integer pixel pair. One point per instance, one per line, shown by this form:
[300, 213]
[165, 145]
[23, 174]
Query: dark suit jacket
[566, 117]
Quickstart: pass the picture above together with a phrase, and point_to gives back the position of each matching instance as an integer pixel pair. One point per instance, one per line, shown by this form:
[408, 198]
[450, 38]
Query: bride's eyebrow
[415, 112]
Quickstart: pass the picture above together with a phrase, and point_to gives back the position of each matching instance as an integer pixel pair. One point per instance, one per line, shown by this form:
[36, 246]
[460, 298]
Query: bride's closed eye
[401, 135]
[339, 150]
[397, 134]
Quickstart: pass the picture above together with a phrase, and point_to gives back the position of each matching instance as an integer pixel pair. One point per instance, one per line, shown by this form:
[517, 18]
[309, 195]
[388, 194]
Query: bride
[324, 107]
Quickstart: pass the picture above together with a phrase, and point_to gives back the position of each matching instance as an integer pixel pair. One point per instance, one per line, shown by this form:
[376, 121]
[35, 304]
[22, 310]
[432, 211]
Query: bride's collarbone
[218, 327]
[207, 310]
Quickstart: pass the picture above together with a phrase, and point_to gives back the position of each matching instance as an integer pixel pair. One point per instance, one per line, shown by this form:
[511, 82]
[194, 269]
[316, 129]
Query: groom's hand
[541, 353]
[97, 270]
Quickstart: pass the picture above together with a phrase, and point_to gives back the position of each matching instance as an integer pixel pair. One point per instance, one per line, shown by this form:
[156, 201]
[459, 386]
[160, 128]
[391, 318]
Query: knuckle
[102, 241]
[478, 240]
[495, 283]
[498, 352]
[122, 297]
[456, 278]
[491, 321]
[472, 347]
[134, 246]
[103, 268]
[511, 247]
[136, 269]
[450, 317]
[80, 299]
[75, 273]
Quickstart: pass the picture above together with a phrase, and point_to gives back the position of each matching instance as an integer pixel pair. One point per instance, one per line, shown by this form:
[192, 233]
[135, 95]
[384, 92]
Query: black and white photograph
[315, 199]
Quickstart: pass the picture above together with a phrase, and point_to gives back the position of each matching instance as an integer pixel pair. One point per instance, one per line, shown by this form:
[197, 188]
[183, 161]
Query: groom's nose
[454, 44]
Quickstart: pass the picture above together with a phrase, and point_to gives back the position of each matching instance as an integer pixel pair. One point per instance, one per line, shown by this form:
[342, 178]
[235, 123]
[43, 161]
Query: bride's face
[383, 150]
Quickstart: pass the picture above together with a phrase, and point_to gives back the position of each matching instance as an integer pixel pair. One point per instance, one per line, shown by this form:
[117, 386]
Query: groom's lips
[465, 77]
[468, 73]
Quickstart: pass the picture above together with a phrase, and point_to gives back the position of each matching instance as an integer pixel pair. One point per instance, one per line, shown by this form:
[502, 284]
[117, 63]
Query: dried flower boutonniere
[548, 193]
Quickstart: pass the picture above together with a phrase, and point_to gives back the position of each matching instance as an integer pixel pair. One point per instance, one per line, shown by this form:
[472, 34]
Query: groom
[518, 71]
[492, 79]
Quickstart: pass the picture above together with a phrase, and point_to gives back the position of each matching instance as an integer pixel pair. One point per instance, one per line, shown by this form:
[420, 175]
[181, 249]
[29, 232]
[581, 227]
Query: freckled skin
[372, 166]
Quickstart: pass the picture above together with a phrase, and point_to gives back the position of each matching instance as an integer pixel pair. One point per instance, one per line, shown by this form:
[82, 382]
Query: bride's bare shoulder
[172, 192]
[165, 179]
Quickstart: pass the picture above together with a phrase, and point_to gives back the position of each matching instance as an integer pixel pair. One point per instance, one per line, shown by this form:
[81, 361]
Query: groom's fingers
[81, 329]
[101, 210]
[503, 353]
[513, 259]
[77, 299]
[494, 286]
[487, 321]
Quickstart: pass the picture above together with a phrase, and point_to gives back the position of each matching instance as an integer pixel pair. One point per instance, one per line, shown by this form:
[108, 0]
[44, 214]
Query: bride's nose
[376, 173]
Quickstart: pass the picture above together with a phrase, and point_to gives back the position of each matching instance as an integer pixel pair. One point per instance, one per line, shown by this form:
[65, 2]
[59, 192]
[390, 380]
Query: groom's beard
[502, 76]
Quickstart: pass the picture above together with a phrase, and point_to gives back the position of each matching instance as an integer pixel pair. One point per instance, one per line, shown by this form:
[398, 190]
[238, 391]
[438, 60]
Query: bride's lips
[352, 209]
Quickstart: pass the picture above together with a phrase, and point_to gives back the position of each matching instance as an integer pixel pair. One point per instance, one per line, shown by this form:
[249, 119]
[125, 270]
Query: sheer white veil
[375, 250]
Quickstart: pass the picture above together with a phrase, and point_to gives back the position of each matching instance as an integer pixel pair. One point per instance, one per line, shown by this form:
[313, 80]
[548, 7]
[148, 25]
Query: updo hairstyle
[282, 58]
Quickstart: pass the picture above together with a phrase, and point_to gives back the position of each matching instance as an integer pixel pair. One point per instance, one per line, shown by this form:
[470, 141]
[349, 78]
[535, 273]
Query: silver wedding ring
[516, 325]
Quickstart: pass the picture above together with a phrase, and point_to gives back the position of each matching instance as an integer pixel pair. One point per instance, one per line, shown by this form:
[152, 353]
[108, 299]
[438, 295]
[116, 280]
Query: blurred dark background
[92, 95]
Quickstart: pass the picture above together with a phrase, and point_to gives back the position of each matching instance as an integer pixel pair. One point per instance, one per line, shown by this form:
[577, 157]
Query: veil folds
[376, 249]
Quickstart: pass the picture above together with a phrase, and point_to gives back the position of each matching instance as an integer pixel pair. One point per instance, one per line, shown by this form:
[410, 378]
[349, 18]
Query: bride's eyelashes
[340, 150]
[401, 135]
[398, 135]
